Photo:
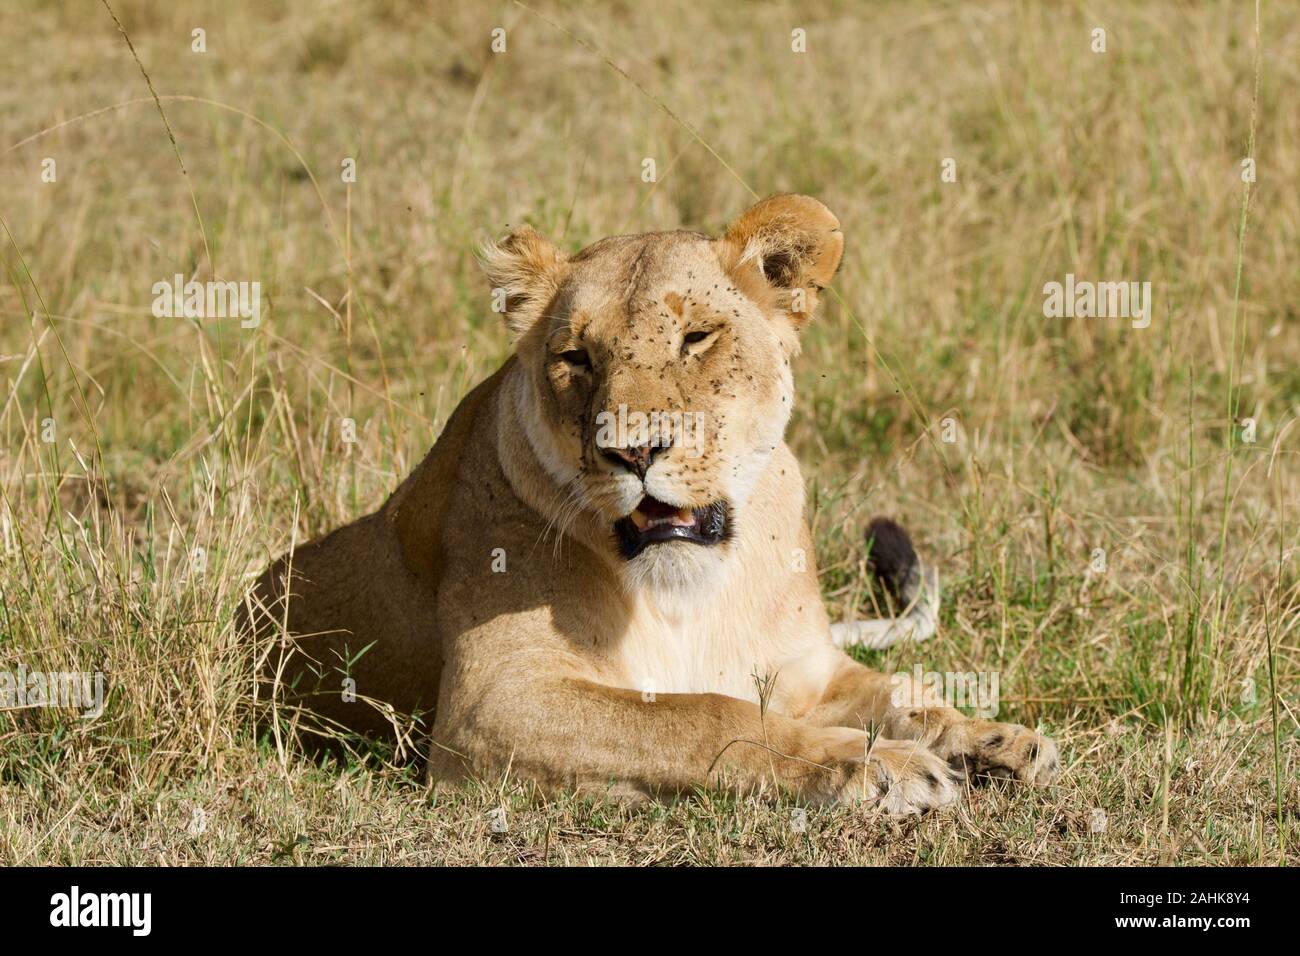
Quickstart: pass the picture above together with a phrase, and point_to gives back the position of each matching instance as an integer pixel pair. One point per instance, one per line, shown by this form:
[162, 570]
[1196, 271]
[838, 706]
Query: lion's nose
[635, 458]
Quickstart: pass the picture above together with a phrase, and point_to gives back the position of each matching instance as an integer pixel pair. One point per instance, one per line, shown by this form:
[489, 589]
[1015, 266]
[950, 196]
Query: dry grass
[174, 435]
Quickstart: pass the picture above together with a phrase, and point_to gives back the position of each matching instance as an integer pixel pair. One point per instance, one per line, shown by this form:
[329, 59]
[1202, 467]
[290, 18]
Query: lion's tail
[914, 588]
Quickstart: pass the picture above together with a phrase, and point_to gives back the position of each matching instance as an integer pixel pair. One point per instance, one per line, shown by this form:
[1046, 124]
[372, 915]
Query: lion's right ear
[525, 272]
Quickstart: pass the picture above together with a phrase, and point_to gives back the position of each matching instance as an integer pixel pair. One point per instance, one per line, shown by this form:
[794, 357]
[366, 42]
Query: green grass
[172, 436]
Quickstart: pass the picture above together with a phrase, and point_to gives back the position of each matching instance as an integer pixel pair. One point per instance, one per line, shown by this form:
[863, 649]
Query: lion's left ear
[782, 252]
[527, 270]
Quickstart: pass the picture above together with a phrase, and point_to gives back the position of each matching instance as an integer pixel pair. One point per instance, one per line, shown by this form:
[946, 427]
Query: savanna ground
[186, 454]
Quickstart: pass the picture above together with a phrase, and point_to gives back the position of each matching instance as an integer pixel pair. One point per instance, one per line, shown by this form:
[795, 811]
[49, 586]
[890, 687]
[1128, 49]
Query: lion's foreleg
[577, 733]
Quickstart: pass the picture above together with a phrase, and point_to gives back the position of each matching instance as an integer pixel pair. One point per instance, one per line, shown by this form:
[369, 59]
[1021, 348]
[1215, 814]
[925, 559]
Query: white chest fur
[733, 647]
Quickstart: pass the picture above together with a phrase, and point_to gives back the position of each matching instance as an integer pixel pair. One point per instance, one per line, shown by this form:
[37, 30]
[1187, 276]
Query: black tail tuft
[892, 559]
[910, 588]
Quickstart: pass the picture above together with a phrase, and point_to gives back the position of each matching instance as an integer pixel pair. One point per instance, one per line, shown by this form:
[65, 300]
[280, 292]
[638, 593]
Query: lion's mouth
[655, 522]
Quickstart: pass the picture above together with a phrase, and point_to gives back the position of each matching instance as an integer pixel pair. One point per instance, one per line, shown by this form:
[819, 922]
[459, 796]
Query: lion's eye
[577, 358]
[697, 337]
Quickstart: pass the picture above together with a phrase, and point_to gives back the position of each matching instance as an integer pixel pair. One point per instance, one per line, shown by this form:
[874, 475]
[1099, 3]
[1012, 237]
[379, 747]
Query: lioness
[637, 614]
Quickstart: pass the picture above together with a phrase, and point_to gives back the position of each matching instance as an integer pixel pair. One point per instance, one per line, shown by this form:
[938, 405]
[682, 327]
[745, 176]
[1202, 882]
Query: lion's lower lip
[654, 522]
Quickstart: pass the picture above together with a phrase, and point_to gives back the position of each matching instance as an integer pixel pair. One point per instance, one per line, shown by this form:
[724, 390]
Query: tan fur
[575, 667]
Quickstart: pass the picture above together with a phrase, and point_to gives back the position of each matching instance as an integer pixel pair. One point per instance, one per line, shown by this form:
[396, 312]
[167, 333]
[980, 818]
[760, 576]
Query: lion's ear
[782, 252]
[525, 272]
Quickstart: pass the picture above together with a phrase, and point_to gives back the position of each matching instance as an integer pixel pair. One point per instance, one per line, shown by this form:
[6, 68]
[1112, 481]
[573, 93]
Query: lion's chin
[675, 568]
[672, 549]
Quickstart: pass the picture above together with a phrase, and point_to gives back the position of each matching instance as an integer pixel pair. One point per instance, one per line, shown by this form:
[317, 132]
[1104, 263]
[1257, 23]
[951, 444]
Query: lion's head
[658, 371]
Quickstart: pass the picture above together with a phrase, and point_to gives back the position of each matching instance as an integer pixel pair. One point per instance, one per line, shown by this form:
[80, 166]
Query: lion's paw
[901, 777]
[980, 748]
[1011, 751]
